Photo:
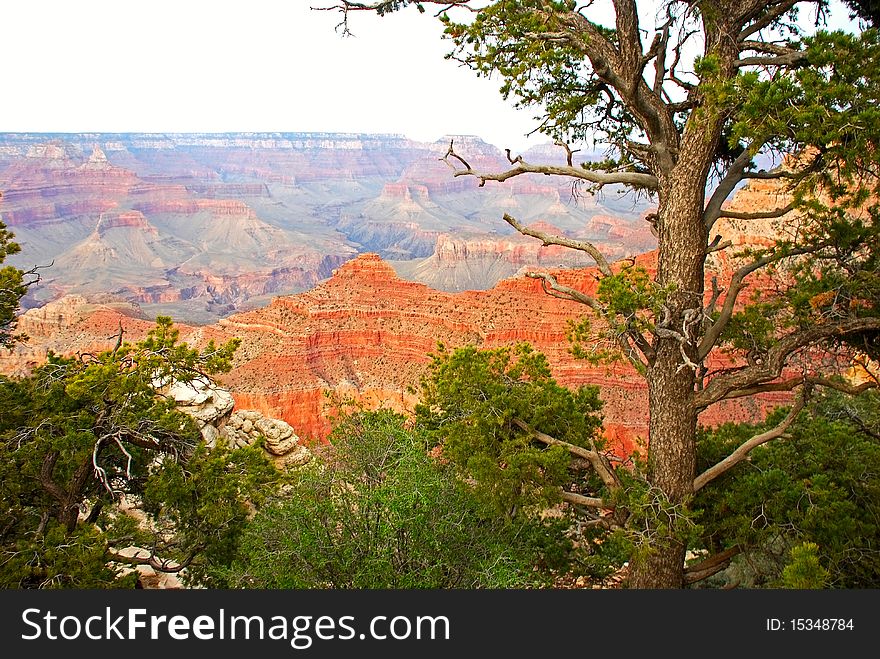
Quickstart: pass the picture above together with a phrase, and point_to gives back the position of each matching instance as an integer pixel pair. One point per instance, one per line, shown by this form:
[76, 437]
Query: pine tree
[688, 114]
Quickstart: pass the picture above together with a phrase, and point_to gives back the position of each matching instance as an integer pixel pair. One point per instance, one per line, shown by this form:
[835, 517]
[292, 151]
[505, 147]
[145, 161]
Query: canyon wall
[367, 334]
[201, 226]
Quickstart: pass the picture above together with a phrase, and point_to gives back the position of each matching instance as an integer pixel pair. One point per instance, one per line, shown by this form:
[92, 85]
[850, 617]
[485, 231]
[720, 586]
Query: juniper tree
[13, 286]
[85, 433]
[690, 99]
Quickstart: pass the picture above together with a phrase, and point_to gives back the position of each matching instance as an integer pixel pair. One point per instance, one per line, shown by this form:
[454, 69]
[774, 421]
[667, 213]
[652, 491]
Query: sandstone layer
[367, 334]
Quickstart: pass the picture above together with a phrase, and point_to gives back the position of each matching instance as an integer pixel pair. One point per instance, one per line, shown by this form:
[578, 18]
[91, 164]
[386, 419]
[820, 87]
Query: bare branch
[383, 6]
[770, 367]
[569, 153]
[725, 187]
[659, 52]
[636, 179]
[746, 447]
[596, 459]
[712, 565]
[673, 76]
[778, 173]
[554, 288]
[100, 472]
[160, 565]
[790, 59]
[737, 282]
[548, 239]
[762, 215]
[767, 19]
[767, 47]
[793, 383]
[581, 500]
[718, 245]
[450, 153]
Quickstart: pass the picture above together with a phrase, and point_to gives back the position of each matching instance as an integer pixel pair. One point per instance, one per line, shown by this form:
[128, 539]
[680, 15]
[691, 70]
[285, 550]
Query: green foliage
[12, 288]
[207, 502]
[753, 329]
[757, 86]
[379, 512]
[473, 406]
[652, 519]
[804, 571]
[58, 558]
[830, 103]
[506, 39]
[470, 400]
[819, 486]
[82, 432]
[867, 10]
[630, 302]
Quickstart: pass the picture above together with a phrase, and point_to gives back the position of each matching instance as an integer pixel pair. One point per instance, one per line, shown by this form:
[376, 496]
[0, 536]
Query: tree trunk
[671, 461]
[673, 418]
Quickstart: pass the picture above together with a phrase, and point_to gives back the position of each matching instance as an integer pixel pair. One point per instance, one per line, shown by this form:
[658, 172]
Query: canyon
[367, 334]
[201, 226]
[387, 256]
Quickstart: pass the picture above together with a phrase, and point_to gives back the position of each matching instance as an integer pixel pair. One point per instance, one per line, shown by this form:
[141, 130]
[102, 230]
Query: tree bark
[671, 470]
[672, 427]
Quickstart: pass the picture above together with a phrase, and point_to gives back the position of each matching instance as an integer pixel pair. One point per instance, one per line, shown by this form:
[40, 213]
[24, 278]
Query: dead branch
[160, 565]
[548, 239]
[554, 288]
[737, 282]
[770, 368]
[761, 215]
[746, 447]
[597, 460]
[581, 500]
[635, 179]
[712, 565]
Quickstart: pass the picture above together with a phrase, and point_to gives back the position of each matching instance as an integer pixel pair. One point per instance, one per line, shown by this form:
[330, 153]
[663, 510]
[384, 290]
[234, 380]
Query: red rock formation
[367, 333]
[125, 219]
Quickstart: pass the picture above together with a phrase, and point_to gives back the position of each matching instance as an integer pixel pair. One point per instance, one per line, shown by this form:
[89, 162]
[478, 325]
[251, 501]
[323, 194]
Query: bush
[377, 511]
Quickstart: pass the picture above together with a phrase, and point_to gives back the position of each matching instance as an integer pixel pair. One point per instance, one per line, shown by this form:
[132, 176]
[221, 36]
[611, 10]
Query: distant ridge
[201, 225]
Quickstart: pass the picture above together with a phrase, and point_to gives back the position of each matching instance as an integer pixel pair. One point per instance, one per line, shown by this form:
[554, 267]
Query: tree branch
[581, 500]
[712, 565]
[548, 239]
[710, 338]
[793, 383]
[746, 447]
[767, 19]
[160, 565]
[46, 470]
[726, 187]
[554, 288]
[596, 459]
[761, 215]
[790, 59]
[771, 366]
[635, 179]
[766, 47]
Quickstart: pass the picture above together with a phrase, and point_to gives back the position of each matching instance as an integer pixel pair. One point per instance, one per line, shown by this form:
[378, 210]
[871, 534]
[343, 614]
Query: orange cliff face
[367, 334]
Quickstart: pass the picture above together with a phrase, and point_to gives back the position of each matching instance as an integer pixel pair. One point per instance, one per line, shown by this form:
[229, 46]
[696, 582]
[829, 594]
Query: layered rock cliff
[200, 226]
[367, 334]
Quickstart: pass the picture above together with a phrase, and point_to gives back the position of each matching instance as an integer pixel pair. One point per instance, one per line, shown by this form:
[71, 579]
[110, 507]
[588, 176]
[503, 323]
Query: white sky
[238, 65]
[253, 65]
